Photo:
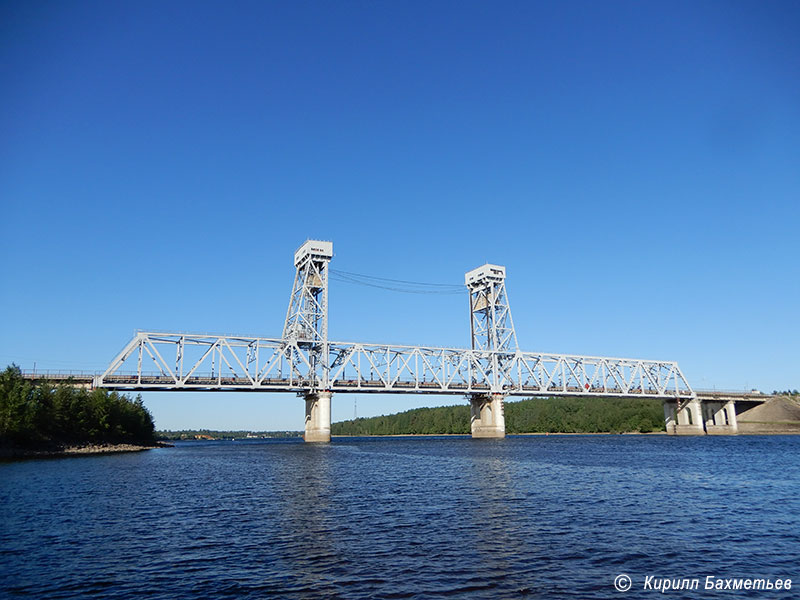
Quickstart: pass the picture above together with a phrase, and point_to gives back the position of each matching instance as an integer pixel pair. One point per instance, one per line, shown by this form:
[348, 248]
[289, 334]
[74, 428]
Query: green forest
[540, 415]
[49, 416]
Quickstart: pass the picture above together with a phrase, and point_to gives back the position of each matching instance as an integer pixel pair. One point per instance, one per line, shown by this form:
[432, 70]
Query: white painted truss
[307, 316]
[304, 361]
[491, 326]
[174, 361]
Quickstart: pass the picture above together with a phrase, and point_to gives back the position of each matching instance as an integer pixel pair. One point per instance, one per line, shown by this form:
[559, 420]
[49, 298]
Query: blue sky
[635, 166]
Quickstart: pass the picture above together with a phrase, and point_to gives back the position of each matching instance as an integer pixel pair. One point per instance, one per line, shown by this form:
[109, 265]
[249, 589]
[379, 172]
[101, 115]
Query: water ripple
[526, 517]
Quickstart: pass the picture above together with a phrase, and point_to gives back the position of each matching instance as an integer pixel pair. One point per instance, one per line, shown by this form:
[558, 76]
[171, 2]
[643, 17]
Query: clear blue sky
[635, 165]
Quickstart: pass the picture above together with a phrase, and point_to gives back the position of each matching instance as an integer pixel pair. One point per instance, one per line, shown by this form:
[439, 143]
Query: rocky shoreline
[83, 450]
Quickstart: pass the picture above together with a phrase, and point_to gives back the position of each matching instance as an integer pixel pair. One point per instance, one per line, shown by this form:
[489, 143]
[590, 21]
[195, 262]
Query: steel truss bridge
[229, 363]
[303, 360]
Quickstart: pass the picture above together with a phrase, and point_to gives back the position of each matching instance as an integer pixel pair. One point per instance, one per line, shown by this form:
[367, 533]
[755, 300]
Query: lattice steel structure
[209, 362]
[306, 324]
[303, 360]
[491, 326]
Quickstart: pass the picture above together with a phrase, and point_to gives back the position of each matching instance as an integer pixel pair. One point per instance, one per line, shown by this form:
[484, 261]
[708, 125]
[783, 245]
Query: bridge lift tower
[492, 333]
[307, 326]
[491, 327]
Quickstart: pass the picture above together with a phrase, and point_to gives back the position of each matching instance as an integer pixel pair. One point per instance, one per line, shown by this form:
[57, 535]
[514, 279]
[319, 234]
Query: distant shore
[543, 433]
[84, 450]
[554, 433]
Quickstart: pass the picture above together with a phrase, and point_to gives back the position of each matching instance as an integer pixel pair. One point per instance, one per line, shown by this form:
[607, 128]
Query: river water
[524, 517]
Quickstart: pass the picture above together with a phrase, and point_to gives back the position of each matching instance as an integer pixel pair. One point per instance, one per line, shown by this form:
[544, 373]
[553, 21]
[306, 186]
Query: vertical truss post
[491, 325]
[307, 317]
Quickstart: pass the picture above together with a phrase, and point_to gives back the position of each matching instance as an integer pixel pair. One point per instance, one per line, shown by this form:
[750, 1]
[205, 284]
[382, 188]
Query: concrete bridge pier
[720, 417]
[318, 417]
[487, 417]
[684, 419]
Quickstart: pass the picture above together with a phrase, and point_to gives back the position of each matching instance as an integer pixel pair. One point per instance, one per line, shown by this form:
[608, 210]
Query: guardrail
[740, 394]
[59, 375]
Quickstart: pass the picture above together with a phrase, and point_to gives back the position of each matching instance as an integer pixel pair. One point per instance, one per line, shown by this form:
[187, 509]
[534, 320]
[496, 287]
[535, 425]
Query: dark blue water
[524, 517]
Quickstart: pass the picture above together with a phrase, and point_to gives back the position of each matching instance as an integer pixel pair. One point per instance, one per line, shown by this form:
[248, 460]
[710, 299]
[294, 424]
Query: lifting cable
[396, 285]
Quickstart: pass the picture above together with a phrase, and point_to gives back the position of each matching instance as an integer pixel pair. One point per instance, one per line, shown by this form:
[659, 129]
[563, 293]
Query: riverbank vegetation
[46, 416]
[539, 415]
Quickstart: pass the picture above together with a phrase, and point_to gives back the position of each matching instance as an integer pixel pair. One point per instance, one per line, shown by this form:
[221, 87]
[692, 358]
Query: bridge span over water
[304, 361]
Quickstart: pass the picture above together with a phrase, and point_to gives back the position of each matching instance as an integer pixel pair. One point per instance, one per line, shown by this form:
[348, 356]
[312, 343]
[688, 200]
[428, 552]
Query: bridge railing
[59, 374]
[731, 391]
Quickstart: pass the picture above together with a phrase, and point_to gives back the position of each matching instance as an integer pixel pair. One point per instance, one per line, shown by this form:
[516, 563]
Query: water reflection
[502, 533]
[306, 523]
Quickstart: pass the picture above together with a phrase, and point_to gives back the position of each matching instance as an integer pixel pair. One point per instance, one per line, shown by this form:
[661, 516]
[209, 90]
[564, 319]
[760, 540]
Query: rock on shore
[82, 450]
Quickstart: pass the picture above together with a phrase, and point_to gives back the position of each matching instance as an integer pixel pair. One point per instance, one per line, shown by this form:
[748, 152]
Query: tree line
[45, 415]
[535, 415]
[216, 434]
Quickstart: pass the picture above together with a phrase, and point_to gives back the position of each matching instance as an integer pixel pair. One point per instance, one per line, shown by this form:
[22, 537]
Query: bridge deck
[132, 382]
[430, 387]
[180, 361]
[157, 382]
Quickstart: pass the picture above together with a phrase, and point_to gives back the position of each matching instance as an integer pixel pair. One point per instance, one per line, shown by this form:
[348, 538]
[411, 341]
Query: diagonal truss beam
[208, 362]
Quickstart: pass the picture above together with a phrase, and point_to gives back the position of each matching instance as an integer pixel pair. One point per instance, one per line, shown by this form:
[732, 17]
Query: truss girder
[207, 362]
